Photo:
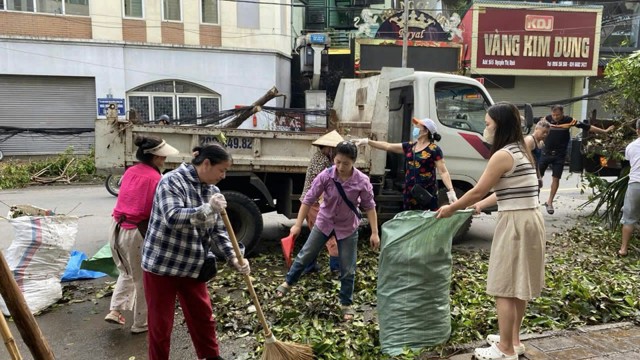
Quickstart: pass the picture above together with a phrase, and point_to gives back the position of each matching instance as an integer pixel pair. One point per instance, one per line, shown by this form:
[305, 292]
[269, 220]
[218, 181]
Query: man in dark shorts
[555, 147]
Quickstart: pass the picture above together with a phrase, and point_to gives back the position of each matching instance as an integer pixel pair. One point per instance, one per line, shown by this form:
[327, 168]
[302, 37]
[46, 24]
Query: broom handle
[9, 342]
[247, 278]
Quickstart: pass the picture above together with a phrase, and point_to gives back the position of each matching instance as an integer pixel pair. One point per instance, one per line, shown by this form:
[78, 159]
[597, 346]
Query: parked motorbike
[112, 183]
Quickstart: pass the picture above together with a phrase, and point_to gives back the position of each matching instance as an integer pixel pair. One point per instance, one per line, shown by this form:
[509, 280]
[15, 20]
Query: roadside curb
[465, 350]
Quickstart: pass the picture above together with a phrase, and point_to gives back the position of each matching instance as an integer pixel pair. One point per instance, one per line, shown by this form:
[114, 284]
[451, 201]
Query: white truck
[269, 167]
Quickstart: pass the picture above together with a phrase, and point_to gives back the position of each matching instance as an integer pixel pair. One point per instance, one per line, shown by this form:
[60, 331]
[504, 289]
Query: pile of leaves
[585, 285]
[17, 174]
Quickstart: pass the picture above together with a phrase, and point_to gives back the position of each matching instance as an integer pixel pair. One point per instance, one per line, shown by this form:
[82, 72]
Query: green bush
[17, 174]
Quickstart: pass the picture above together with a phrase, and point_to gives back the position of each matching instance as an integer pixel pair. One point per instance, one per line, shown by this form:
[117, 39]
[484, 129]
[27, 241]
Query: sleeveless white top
[518, 187]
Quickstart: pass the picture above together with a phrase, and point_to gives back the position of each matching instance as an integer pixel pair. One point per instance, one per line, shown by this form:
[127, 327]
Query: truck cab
[458, 106]
[381, 108]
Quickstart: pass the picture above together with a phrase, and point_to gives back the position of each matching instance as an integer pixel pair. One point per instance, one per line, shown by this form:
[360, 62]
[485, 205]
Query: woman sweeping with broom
[344, 188]
[176, 258]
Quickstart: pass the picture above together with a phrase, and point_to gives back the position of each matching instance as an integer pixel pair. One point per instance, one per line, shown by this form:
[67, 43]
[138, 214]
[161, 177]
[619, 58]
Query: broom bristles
[276, 350]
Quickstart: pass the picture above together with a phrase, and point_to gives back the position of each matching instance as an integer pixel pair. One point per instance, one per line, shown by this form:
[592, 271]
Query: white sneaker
[495, 339]
[493, 353]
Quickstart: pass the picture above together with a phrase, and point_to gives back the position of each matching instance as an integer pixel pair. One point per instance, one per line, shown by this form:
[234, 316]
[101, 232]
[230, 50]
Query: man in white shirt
[631, 208]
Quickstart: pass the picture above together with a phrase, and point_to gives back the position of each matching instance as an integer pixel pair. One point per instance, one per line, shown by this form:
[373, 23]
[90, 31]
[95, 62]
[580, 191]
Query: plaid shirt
[182, 226]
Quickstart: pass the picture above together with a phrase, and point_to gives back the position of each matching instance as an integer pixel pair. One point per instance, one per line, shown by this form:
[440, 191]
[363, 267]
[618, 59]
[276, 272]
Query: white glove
[451, 195]
[243, 269]
[358, 142]
[217, 202]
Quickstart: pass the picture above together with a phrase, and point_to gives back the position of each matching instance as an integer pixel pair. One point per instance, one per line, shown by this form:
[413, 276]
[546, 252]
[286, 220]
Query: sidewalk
[619, 341]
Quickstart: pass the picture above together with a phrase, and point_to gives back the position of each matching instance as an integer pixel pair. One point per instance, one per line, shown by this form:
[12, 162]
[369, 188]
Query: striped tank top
[517, 189]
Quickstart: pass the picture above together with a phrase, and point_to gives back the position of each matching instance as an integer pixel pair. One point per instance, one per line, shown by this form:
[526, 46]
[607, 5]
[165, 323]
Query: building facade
[61, 61]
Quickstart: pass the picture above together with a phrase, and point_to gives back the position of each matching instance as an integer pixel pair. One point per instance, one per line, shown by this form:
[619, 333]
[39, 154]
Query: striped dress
[516, 264]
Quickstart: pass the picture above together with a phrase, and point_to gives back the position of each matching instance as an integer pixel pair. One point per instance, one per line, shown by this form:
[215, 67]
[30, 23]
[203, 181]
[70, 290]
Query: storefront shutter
[46, 102]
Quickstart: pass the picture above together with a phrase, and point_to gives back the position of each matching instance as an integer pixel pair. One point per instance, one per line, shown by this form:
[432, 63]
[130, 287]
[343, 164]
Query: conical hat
[329, 139]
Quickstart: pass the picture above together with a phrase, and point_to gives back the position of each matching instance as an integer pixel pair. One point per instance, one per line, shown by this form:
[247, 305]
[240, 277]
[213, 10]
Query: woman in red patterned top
[422, 159]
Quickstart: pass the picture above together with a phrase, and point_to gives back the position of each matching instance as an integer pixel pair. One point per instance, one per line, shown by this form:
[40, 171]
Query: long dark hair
[508, 127]
[145, 143]
[214, 152]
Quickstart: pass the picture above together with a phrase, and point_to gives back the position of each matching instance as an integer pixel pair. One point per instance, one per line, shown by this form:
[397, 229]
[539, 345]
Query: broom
[273, 349]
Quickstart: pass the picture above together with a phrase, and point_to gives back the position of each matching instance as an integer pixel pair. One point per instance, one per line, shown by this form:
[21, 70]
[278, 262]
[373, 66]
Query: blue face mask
[415, 134]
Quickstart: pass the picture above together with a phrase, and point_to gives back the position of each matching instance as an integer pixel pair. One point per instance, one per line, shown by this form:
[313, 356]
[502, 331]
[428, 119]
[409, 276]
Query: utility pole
[405, 33]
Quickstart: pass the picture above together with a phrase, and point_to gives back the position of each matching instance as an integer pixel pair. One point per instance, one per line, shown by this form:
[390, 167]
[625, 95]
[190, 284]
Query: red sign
[523, 40]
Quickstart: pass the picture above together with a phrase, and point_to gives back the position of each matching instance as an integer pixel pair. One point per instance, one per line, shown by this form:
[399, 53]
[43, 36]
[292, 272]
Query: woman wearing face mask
[337, 217]
[534, 143]
[128, 227]
[422, 159]
[516, 264]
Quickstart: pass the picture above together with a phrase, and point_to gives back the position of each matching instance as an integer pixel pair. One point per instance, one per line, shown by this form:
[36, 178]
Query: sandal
[492, 353]
[139, 330]
[495, 339]
[282, 290]
[114, 319]
[348, 313]
[550, 209]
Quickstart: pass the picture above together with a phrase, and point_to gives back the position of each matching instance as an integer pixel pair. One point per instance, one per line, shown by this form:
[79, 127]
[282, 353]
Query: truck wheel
[112, 183]
[246, 220]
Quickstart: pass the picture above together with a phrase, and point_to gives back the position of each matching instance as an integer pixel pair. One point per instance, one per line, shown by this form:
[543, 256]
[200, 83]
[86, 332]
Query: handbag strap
[346, 200]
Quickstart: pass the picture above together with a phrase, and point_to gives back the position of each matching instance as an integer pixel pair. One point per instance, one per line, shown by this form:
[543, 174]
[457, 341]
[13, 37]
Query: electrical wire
[7, 132]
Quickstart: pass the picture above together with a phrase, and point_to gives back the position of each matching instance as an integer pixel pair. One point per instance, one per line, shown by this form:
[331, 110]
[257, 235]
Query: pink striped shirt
[136, 194]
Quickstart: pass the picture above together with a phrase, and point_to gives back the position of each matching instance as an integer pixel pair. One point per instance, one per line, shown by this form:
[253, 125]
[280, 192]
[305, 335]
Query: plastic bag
[414, 276]
[38, 255]
[73, 270]
[102, 261]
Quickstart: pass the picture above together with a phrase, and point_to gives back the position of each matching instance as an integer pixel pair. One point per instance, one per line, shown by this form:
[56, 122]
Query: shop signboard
[535, 39]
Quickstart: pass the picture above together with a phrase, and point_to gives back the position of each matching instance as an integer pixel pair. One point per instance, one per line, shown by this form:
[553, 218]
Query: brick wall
[172, 33]
[210, 35]
[60, 26]
[134, 30]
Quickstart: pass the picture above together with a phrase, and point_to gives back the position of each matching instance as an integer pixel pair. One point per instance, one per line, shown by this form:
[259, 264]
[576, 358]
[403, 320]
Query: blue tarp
[73, 271]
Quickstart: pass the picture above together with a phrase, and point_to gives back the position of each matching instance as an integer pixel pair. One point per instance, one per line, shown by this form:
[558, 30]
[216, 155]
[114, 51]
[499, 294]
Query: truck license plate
[233, 143]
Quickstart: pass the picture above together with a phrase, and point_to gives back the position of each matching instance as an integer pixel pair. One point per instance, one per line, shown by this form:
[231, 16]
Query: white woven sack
[38, 257]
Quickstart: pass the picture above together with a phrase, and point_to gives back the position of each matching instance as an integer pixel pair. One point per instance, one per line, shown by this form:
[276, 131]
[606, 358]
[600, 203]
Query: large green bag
[414, 276]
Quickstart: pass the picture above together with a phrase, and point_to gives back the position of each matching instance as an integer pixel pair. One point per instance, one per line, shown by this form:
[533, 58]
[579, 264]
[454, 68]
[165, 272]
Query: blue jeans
[348, 252]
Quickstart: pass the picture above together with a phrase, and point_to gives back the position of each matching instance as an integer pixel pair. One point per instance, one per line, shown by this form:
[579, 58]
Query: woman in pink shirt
[128, 226]
[338, 217]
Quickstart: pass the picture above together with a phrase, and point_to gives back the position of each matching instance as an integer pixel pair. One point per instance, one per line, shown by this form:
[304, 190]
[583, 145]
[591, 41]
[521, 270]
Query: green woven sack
[414, 276]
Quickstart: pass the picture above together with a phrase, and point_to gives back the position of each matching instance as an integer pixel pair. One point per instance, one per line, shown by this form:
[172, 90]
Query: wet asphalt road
[77, 331]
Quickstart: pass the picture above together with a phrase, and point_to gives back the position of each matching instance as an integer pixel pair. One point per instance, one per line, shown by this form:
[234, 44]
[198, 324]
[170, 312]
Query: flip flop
[348, 313]
[282, 290]
[550, 209]
[114, 319]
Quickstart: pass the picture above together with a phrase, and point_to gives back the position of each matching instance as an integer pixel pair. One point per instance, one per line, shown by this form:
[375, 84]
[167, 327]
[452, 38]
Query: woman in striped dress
[516, 264]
